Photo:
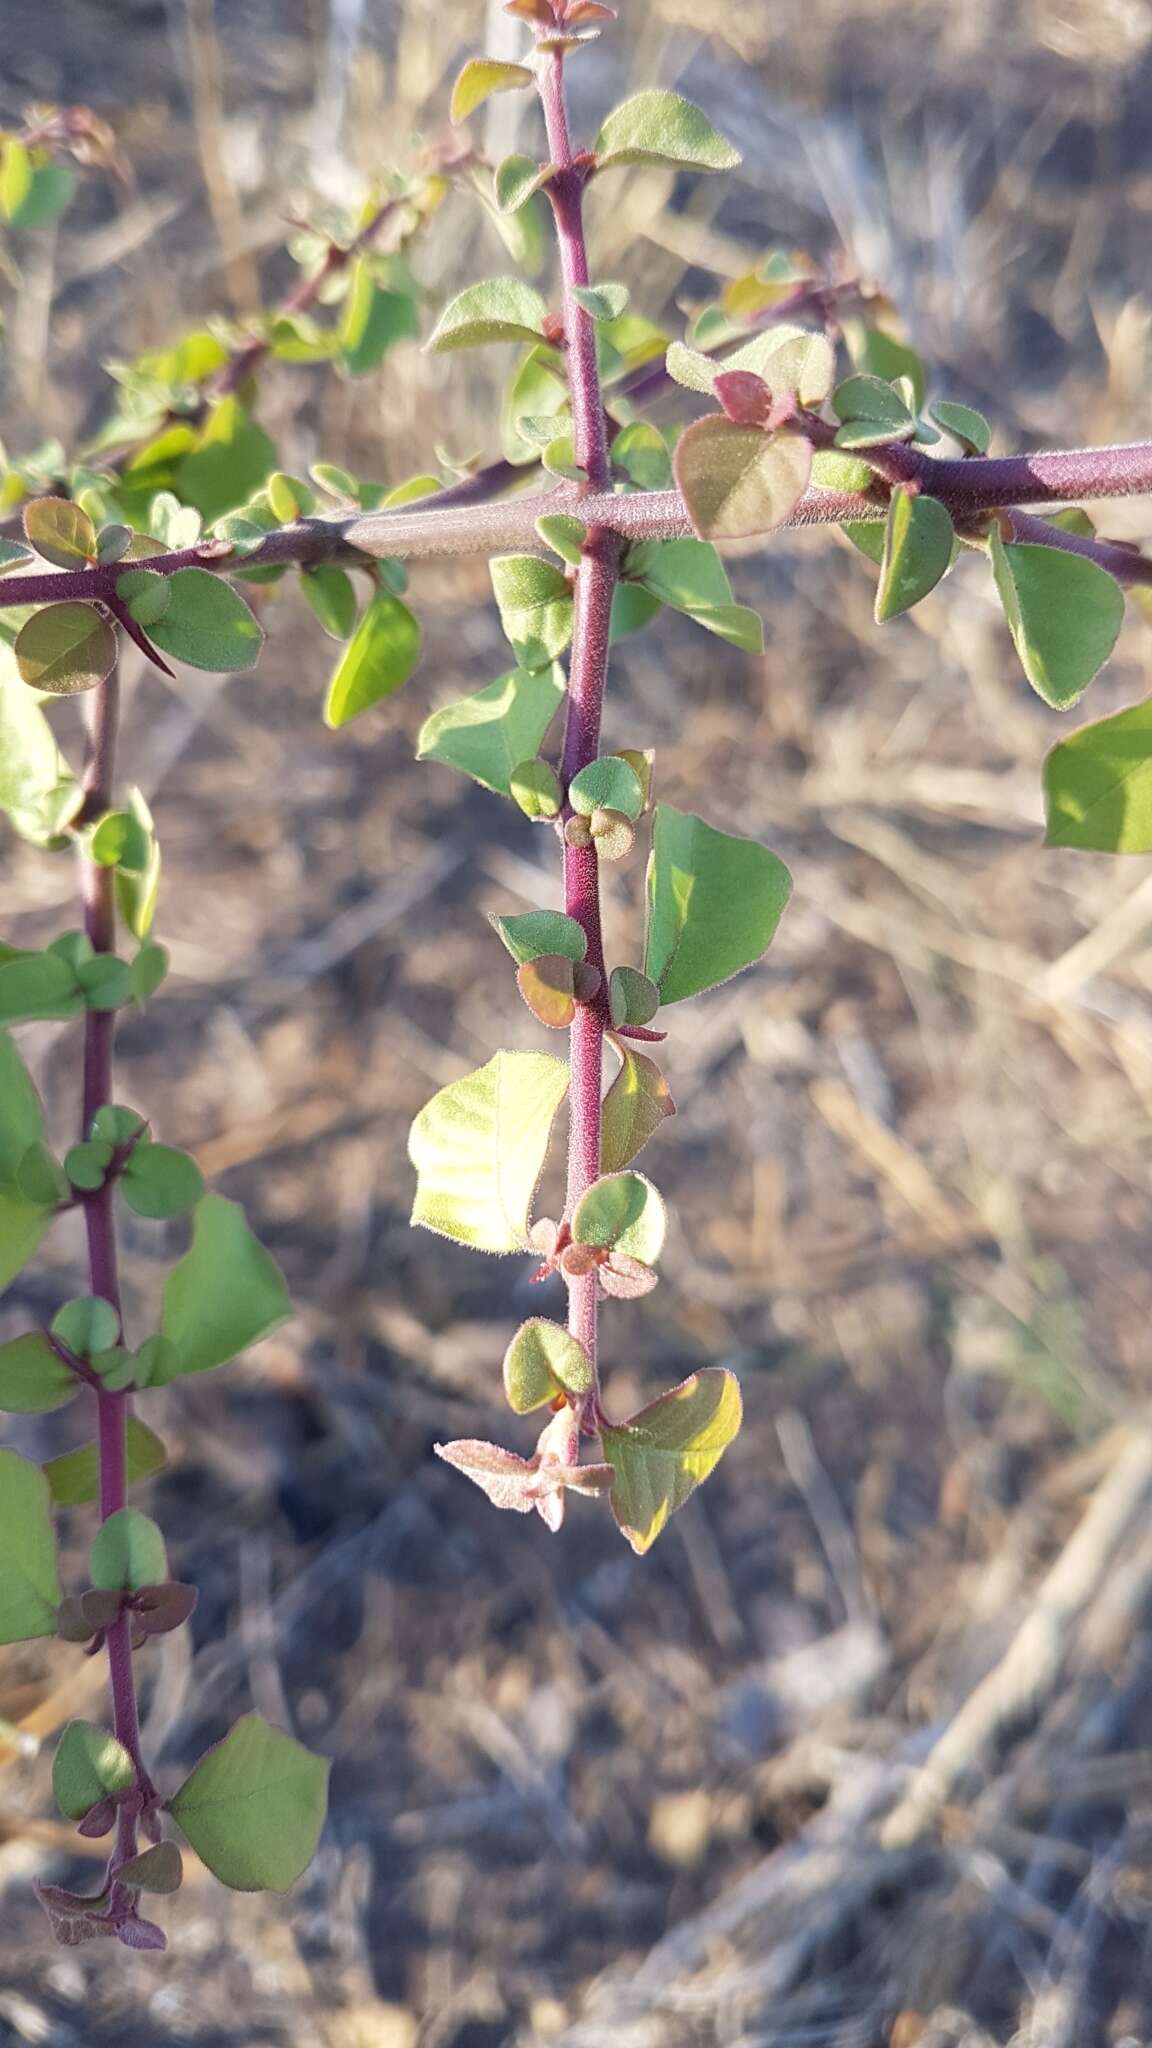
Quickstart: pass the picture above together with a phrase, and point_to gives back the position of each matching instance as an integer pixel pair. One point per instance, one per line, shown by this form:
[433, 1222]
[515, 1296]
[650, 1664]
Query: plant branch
[596, 578]
[464, 519]
[98, 885]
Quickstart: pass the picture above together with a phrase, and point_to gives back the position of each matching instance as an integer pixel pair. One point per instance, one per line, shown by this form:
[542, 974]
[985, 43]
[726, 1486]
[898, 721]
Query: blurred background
[578, 1797]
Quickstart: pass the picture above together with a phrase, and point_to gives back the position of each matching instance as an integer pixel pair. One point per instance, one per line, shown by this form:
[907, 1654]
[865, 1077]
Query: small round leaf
[65, 648]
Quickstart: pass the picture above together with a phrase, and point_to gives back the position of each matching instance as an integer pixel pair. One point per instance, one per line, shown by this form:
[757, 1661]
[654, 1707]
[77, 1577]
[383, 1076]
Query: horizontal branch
[465, 519]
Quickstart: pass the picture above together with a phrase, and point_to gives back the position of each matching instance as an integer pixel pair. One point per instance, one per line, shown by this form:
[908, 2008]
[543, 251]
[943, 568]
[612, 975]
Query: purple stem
[98, 884]
[596, 578]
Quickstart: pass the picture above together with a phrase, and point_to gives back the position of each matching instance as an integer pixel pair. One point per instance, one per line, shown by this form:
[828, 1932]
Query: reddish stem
[98, 884]
[596, 578]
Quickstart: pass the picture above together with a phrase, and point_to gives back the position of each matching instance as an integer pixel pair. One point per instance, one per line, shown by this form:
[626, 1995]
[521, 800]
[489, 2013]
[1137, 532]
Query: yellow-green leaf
[479, 1148]
[377, 661]
[739, 480]
[481, 77]
[254, 1807]
[661, 1454]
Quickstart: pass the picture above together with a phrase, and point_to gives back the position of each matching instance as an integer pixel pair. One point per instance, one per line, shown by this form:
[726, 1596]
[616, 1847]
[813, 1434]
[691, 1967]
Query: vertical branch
[98, 886]
[596, 579]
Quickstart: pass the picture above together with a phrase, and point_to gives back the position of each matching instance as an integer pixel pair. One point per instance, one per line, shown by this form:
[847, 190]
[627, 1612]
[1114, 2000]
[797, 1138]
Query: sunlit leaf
[60, 532]
[377, 661]
[481, 77]
[918, 546]
[636, 1104]
[500, 309]
[490, 733]
[207, 624]
[622, 1212]
[714, 902]
[661, 127]
[541, 1362]
[541, 931]
[1098, 785]
[662, 1453]
[479, 1146]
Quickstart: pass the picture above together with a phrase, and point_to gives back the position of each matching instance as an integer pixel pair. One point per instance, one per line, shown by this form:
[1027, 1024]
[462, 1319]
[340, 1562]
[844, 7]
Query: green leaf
[479, 1147]
[23, 1223]
[34, 778]
[146, 594]
[641, 451]
[662, 128]
[918, 544]
[127, 1552]
[662, 1454]
[739, 480]
[289, 497]
[880, 355]
[254, 1807]
[29, 1576]
[714, 902]
[868, 536]
[330, 593]
[231, 461]
[74, 1478]
[964, 423]
[41, 1178]
[207, 624]
[1063, 611]
[489, 734]
[60, 532]
[1098, 785]
[535, 788]
[606, 784]
[38, 986]
[87, 1325]
[622, 1212]
[377, 661]
[225, 1293]
[541, 1362]
[481, 77]
[536, 607]
[159, 1182]
[834, 471]
[89, 1764]
[636, 1104]
[87, 1165]
[33, 1380]
[147, 971]
[687, 574]
[500, 309]
[871, 411]
[633, 608]
[517, 179]
[138, 879]
[65, 648]
[786, 358]
[564, 534]
[105, 981]
[601, 301]
[539, 932]
[632, 998]
[33, 189]
[373, 320]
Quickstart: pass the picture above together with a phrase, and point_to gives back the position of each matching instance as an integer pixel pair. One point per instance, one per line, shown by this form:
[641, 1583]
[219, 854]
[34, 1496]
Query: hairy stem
[98, 885]
[596, 578]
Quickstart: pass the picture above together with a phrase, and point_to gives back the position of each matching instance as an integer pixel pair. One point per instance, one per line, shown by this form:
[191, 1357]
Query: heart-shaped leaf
[500, 309]
[29, 1575]
[1098, 785]
[224, 1294]
[127, 1552]
[490, 733]
[635, 1106]
[254, 1807]
[89, 1764]
[622, 1212]
[1064, 613]
[542, 1362]
[661, 127]
[739, 480]
[609, 783]
[541, 931]
[662, 1453]
[74, 1477]
[33, 1379]
[714, 902]
[65, 648]
[479, 1146]
[918, 546]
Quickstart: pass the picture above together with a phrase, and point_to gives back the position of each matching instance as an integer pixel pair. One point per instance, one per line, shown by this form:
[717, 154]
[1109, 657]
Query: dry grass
[860, 1754]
